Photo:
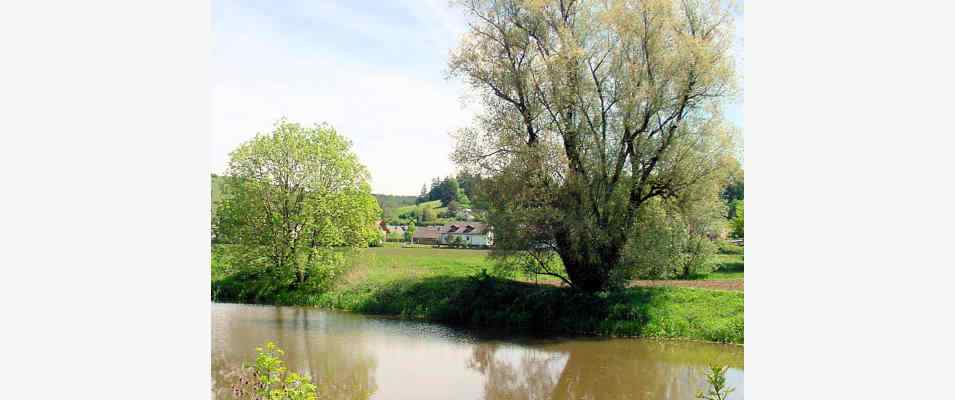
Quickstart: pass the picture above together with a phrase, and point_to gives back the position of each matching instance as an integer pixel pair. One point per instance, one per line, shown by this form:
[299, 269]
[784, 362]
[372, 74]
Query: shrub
[269, 379]
[716, 377]
[726, 247]
[665, 245]
[737, 221]
[251, 280]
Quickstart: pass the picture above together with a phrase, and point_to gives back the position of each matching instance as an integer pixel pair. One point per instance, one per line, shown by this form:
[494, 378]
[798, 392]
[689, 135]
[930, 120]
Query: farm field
[381, 264]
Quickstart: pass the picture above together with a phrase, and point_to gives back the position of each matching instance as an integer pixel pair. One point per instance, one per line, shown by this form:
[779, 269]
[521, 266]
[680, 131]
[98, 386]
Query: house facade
[469, 233]
[466, 233]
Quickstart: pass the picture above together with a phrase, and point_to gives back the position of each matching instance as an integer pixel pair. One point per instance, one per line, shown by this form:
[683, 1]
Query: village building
[400, 229]
[427, 235]
[468, 233]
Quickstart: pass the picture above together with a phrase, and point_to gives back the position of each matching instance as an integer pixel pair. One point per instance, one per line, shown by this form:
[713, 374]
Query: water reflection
[351, 356]
[333, 354]
[594, 369]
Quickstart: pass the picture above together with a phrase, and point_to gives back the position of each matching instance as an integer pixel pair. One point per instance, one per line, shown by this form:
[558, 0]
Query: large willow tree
[292, 194]
[590, 110]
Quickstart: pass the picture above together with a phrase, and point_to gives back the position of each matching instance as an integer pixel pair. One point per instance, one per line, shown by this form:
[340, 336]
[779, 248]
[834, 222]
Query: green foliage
[733, 190]
[450, 189]
[428, 215]
[396, 237]
[664, 247]
[673, 237]
[716, 377]
[723, 266]
[386, 201]
[726, 247]
[292, 194]
[590, 109]
[737, 221]
[454, 206]
[378, 239]
[417, 212]
[393, 206]
[458, 242]
[268, 378]
[409, 233]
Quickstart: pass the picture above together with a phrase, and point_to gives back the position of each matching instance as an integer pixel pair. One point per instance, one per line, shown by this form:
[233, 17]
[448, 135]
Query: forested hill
[388, 201]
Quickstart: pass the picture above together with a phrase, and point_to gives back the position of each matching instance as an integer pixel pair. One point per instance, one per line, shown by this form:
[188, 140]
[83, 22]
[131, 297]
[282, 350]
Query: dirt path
[729, 284]
[722, 284]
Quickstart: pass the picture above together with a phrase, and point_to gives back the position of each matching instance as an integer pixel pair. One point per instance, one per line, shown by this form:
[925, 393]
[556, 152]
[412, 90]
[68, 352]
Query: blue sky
[373, 69]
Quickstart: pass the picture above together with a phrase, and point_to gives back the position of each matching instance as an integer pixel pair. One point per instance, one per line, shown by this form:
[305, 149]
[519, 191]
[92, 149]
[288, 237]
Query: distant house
[427, 235]
[396, 229]
[470, 233]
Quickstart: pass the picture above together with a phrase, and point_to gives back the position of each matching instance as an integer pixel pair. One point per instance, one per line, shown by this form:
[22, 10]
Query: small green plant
[716, 376]
[269, 379]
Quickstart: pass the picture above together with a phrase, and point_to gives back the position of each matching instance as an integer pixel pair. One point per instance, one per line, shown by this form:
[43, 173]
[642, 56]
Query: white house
[471, 233]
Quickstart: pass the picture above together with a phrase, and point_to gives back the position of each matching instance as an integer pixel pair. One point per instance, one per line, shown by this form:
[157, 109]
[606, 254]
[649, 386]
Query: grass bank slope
[449, 286]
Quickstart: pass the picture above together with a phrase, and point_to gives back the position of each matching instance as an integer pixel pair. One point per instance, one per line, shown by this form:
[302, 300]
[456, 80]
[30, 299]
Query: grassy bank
[725, 266]
[448, 285]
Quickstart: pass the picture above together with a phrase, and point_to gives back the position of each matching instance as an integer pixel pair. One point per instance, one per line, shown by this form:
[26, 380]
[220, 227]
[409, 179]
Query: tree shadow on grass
[513, 306]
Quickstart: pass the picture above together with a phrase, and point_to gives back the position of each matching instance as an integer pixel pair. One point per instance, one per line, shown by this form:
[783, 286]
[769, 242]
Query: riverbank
[448, 286]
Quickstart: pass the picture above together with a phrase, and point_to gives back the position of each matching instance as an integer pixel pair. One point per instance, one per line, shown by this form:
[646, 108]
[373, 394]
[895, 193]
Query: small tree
[428, 214]
[719, 390]
[737, 221]
[409, 233]
[293, 195]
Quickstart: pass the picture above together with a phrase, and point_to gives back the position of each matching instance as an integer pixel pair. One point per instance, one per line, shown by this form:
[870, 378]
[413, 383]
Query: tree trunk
[588, 262]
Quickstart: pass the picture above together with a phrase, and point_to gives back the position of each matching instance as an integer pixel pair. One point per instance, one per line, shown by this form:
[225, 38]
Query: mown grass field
[448, 285]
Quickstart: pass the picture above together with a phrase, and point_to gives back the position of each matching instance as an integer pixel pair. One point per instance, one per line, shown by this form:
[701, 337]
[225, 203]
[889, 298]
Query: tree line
[459, 189]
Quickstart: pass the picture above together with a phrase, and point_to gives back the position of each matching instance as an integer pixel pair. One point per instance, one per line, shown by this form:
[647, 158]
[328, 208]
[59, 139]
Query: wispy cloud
[376, 74]
[374, 70]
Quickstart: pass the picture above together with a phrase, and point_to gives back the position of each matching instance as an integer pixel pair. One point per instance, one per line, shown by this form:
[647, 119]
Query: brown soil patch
[724, 284]
[729, 284]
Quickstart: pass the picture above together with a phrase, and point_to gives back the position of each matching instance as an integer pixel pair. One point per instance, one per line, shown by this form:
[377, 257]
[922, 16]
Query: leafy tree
[454, 206]
[469, 183]
[591, 109]
[672, 236]
[453, 191]
[409, 233]
[737, 221]
[733, 190]
[428, 214]
[448, 189]
[294, 194]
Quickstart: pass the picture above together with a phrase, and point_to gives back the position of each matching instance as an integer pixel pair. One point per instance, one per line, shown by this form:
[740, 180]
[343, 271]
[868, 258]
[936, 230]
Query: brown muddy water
[352, 356]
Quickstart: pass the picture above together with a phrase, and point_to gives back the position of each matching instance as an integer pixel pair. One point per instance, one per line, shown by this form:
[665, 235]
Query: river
[352, 356]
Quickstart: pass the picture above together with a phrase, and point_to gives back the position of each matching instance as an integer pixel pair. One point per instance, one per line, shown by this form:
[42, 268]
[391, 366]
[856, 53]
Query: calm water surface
[352, 356]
